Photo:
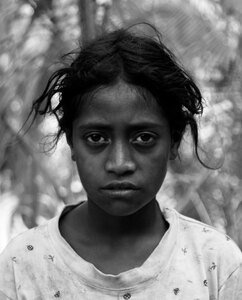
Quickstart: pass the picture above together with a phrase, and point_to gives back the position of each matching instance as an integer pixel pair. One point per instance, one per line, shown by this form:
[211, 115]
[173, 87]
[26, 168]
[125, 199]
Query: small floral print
[205, 282]
[30, 247]
[176, 291]
[57, 294]
[51, 257]
[212, 267]
[228, 238]
[184, 250]
[14, 259]
[205, 230]
[127, 296]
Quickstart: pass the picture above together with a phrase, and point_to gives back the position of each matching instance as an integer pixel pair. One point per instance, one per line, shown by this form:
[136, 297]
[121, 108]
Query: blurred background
[205, 35]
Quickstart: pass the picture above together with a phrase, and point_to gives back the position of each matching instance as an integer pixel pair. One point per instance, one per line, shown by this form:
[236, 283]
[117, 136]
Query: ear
[174, 150]
[69, 142]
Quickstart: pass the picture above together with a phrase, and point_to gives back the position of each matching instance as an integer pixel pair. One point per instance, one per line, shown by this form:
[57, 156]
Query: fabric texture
[193, 261]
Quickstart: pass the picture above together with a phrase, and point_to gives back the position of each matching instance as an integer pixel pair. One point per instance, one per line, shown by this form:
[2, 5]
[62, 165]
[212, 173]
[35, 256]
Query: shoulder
[22, 251]
[204, 234]
[205, 257]
[27, 241]
[36, 241]
[215, 247]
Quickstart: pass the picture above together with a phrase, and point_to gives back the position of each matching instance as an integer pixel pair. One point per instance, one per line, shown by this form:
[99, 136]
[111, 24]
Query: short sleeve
[7, 280]
[232, 287]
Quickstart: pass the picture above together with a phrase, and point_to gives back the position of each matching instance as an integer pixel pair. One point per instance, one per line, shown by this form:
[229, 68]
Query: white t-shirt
[192, 262]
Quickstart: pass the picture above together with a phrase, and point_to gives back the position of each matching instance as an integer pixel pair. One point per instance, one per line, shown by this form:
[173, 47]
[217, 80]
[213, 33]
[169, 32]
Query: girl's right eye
[96, 139]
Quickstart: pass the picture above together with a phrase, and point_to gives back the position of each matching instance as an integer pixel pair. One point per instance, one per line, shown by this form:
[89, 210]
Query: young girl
[124, 105]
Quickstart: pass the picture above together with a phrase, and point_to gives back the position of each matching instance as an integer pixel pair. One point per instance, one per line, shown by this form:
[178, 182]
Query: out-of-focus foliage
[206, 37]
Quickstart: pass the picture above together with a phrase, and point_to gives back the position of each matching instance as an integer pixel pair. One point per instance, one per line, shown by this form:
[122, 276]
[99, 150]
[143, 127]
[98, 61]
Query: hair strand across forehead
[137, 59]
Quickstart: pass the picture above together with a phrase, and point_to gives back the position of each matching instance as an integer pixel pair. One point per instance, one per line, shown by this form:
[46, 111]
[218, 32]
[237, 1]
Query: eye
[145, 139]
[96, 139]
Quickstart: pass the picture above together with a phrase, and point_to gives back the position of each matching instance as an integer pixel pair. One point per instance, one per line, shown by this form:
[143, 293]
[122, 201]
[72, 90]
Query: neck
[147, 220]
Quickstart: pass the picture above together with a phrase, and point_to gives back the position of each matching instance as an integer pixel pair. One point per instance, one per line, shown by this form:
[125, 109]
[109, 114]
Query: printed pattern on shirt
[33, 269]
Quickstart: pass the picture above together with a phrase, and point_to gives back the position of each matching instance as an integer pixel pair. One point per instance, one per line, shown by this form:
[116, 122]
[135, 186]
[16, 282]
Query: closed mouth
[121, 186]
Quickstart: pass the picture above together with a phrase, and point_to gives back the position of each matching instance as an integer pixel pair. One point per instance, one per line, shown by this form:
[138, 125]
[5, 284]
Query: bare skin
[116, 245]
[123, 140]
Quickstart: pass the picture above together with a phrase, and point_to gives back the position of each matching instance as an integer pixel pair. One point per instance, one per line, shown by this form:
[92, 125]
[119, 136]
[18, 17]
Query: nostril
[117, 168]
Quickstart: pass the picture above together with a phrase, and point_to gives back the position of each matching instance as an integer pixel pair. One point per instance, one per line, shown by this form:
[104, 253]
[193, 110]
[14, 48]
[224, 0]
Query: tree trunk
[87, 20]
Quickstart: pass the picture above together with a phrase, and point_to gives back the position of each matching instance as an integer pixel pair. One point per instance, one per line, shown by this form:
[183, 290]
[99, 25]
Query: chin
[122, 210]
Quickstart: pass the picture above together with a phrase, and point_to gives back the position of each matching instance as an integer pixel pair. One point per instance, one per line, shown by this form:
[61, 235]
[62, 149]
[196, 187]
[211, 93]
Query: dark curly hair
[137, 59]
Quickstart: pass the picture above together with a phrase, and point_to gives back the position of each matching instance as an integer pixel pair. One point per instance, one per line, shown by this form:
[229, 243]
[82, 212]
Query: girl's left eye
[144, 139]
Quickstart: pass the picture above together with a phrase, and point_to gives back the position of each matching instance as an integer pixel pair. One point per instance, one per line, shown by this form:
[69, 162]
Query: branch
[87, 10]
[25, 144]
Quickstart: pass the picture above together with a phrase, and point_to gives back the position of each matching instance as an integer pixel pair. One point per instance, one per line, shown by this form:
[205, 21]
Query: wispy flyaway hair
[136, 59]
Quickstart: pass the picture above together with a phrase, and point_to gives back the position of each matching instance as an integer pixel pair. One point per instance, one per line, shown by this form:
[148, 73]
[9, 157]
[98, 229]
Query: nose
[120, 160]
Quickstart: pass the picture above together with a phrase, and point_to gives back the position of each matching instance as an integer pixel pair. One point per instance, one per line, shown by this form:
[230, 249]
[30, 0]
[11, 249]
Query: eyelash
[105, 141]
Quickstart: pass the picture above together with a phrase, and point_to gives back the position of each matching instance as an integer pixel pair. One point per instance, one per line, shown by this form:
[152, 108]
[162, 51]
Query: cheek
[155, 168]
[85, 166]
[157, 174]
[88, 167]
[155, 162]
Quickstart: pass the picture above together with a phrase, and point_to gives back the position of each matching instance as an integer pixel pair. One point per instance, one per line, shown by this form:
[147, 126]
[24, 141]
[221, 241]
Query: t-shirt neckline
[155, 264]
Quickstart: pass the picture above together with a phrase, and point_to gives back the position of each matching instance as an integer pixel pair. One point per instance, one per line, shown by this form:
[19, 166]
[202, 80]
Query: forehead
[120, 103]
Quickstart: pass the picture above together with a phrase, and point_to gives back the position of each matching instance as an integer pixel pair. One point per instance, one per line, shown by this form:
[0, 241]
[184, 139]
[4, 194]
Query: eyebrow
[139, 125]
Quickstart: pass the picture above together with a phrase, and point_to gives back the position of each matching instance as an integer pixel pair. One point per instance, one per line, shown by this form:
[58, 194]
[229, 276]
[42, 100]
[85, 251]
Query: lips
[120, 186]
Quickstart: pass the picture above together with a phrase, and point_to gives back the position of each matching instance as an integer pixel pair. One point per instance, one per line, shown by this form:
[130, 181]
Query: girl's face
[121, 144]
